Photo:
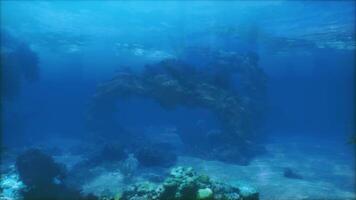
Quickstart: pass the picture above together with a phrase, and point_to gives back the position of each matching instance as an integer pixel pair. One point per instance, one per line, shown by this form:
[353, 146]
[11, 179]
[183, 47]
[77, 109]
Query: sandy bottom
[328, 173]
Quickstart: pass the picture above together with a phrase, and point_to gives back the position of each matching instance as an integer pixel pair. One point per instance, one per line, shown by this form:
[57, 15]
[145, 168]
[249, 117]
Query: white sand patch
[107, 183]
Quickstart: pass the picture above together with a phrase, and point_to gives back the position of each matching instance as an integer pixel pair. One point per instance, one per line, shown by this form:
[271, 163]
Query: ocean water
[98, 96]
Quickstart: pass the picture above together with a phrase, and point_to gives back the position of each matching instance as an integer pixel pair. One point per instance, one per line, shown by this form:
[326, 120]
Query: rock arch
[173, 83]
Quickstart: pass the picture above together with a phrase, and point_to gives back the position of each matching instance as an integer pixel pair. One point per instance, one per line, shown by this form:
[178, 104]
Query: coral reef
[206, 194]
[185, 184]
[174, 83]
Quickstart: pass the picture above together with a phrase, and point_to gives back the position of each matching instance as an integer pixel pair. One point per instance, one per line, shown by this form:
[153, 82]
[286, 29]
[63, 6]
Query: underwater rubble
[238, 108]
[183, 183]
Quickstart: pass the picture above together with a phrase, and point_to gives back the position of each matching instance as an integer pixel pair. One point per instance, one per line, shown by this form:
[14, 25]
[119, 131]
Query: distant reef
[238, 107]
[19, 65]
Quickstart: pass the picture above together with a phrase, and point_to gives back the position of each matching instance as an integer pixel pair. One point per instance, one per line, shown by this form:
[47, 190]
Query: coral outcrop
[185, 184]
[238, 107]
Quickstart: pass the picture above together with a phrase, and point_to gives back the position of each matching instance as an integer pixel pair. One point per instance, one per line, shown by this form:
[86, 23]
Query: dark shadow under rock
[156, 156]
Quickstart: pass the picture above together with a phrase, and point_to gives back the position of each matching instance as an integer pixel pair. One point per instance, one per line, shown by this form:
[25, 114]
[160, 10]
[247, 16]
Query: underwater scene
[177, 100]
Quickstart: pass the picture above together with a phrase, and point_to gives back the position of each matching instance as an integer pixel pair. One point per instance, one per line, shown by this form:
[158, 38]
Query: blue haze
[80, 44]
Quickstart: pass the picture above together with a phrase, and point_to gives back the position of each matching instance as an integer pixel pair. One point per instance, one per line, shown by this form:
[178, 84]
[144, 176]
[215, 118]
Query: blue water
[60, 52]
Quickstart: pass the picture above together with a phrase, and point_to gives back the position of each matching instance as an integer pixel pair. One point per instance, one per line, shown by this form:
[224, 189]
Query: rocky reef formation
[238, 107]
[185, 184]
[44, 179]
[38, 170]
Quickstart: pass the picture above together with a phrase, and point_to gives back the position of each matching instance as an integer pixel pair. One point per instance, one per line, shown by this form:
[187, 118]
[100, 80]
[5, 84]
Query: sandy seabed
[328, 173]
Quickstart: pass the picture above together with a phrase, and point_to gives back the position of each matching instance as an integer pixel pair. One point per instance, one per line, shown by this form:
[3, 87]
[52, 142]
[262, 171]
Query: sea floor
[325, 175]
[328, 173]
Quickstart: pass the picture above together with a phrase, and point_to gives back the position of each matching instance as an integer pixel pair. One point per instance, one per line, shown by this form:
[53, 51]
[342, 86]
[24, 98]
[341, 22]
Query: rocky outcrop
[174, 83]
[186, 184]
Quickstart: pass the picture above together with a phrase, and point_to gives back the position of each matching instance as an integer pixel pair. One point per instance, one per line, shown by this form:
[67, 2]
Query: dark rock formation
[37, 169]
[19, 64]
[110, 152]
[173, 83]
[290, 173]
[44, 178]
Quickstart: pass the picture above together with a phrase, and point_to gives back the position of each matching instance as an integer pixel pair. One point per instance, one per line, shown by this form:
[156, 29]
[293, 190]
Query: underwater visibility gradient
[177, 100]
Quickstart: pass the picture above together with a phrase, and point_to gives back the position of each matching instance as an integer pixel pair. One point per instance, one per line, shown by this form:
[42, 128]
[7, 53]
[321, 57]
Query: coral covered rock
[185, 184]
[205, 194]
[143, 190]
